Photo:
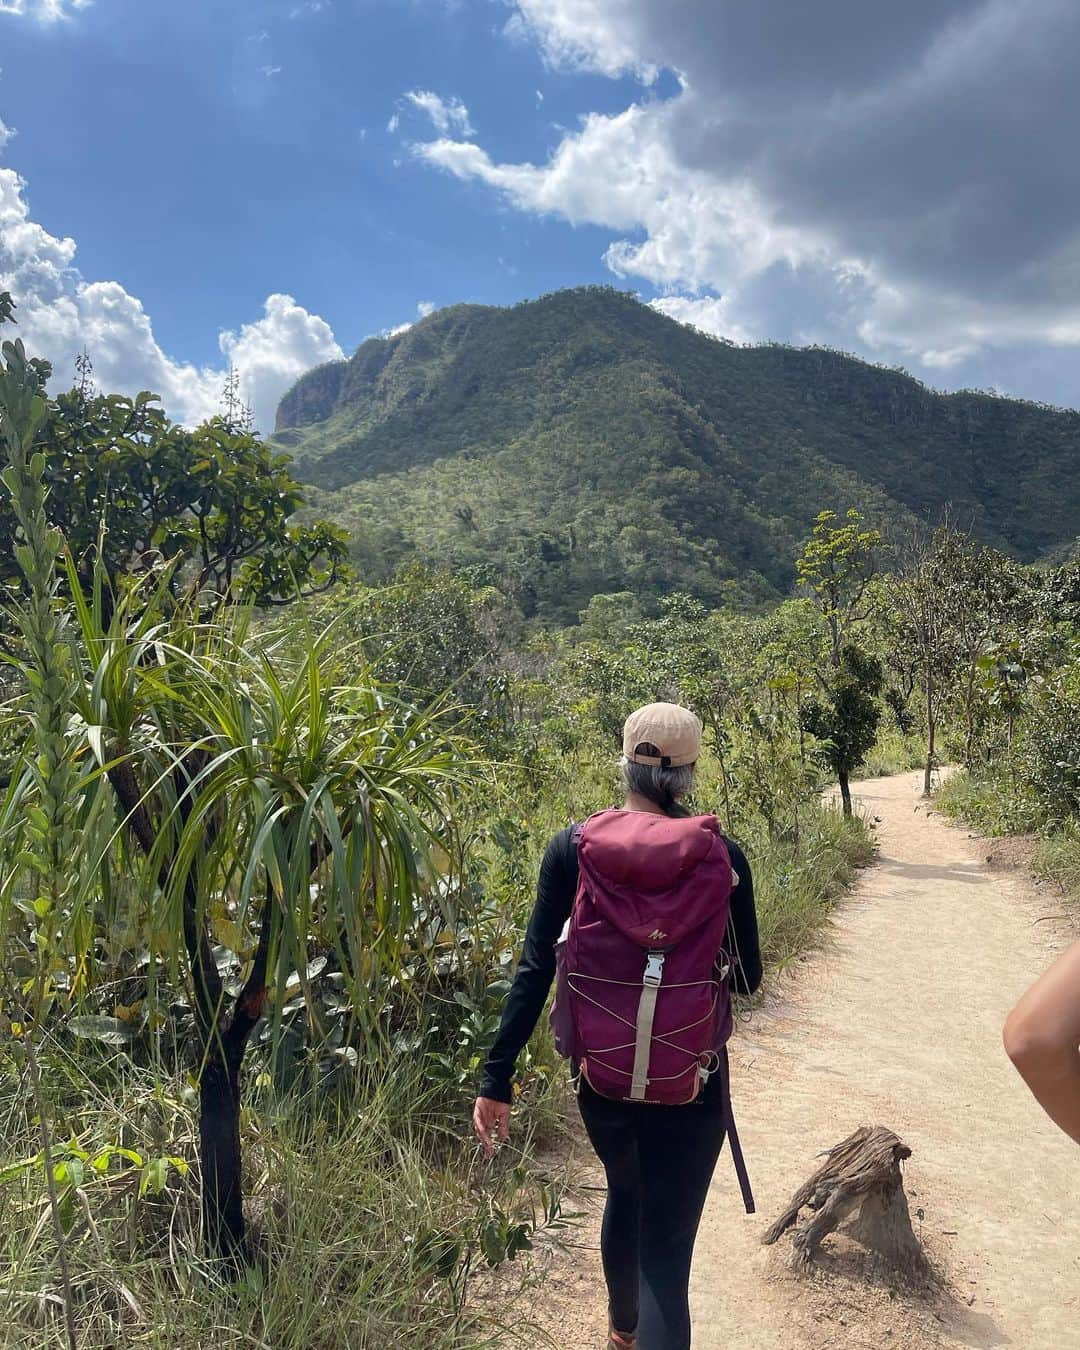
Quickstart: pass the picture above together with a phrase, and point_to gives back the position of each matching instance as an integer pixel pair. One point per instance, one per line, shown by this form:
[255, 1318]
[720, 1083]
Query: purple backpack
[642, 999]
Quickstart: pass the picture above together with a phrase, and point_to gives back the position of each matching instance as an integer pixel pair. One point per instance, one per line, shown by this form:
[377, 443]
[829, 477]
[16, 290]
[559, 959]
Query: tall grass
[354, 1209]
[795, 889]
[985, 802]
[893, 752]
[1057, 858]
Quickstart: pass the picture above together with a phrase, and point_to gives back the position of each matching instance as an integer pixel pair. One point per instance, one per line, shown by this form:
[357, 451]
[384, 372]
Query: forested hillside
[584, 443]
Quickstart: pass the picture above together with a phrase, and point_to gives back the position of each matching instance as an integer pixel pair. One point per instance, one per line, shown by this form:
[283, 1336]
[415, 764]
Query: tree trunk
[969, 718]
[860, 1176]
[220, 1161]
[845, 791]
[931, 729]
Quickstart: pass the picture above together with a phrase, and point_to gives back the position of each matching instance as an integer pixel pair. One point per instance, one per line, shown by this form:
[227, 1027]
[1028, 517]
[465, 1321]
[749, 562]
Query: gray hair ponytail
[664, 787]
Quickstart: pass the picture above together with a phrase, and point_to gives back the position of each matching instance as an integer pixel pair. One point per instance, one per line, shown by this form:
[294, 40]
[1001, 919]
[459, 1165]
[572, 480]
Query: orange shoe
[617, 1341]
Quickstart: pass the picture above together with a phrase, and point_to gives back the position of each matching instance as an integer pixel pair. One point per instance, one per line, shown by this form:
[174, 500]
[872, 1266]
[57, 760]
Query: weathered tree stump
[861, 1174]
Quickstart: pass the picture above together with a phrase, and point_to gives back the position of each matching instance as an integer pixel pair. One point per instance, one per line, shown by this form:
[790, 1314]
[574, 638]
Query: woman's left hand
[491, 1121]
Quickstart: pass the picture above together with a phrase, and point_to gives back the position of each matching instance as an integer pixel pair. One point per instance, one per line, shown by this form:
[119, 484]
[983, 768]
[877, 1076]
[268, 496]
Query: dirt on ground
[1012, 851]
[896, 1020]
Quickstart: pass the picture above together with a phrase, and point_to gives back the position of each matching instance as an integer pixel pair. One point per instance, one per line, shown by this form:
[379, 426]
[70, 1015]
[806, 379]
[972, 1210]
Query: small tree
[214, 501]
[837, 566]
[846, 717]
[273, 814]
[979, 594]
[920, 601]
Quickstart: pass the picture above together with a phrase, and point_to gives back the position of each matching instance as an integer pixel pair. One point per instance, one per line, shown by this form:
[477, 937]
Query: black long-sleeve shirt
[554, 900]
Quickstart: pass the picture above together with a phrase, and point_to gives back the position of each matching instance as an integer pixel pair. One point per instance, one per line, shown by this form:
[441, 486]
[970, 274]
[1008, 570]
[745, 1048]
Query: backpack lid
[645, 871]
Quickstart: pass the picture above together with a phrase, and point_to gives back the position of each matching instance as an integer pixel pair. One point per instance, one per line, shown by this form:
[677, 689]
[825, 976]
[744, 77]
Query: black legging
[659, 1161]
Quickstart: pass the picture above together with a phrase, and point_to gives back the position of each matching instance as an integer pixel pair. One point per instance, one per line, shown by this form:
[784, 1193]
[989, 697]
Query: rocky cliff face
[313, 397]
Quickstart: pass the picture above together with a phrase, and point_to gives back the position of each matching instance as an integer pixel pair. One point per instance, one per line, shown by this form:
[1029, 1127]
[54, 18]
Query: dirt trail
[896, 1021]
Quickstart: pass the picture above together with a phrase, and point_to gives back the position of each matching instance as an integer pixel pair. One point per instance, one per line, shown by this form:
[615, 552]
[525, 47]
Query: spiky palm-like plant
[299, 814]
[259, 799]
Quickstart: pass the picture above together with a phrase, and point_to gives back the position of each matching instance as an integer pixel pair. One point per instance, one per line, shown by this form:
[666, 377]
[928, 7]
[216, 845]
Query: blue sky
[274, 181]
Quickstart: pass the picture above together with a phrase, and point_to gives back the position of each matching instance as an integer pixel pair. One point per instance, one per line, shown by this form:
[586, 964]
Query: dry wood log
[860, 1177]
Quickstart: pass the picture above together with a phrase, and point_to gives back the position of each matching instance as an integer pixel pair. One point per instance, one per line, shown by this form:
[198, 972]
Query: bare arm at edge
[1042, 1038]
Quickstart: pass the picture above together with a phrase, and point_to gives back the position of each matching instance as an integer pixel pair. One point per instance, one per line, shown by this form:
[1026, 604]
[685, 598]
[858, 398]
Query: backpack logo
[657, 935]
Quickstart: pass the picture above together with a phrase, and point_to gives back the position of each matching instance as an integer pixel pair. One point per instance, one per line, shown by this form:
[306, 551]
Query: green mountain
[584, 443]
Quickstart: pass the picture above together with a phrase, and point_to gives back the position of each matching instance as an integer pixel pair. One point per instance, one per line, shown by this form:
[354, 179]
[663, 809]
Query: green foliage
[1047, 763]
[260, 805]
[214, 503]
[984, 800]
[51, 830]
[584, 444]
[432, 632]
[845, 720]
[836, 566]
[1058, 859]
[341, 1199]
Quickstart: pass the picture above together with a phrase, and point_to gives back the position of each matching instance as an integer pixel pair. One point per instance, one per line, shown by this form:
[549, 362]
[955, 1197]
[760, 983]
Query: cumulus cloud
[61, 313]
[45, 11]
[447, 115]
[6, 133]
[709, 313]
[597, 35]
[273, 352]
[899, 179]
[423, 309]
[623, 172]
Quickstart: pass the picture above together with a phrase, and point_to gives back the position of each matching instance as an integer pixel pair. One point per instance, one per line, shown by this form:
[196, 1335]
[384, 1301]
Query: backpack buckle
[654, 968]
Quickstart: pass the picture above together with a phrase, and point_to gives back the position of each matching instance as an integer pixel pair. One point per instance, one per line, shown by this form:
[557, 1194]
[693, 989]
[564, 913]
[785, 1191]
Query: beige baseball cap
[674, 731]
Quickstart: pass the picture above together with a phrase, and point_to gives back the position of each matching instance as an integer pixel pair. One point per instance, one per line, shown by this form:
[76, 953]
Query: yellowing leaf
[228, 933]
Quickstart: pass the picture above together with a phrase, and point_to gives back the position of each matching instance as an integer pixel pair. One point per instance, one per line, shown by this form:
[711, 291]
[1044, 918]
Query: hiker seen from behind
[645, 919]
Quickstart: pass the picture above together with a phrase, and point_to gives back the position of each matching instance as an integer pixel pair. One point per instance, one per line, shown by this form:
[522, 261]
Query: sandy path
[896, 1021]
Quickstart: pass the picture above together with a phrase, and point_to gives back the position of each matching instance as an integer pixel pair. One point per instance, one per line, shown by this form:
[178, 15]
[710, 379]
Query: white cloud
[273, 352]
[447, 115]
[865, 183]
[6, 133]
[595, 35]
[61, 313]
[270, 71]
[45, 11]
[393, 124]
[709, 313]
[423, 309]
[621, 172]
